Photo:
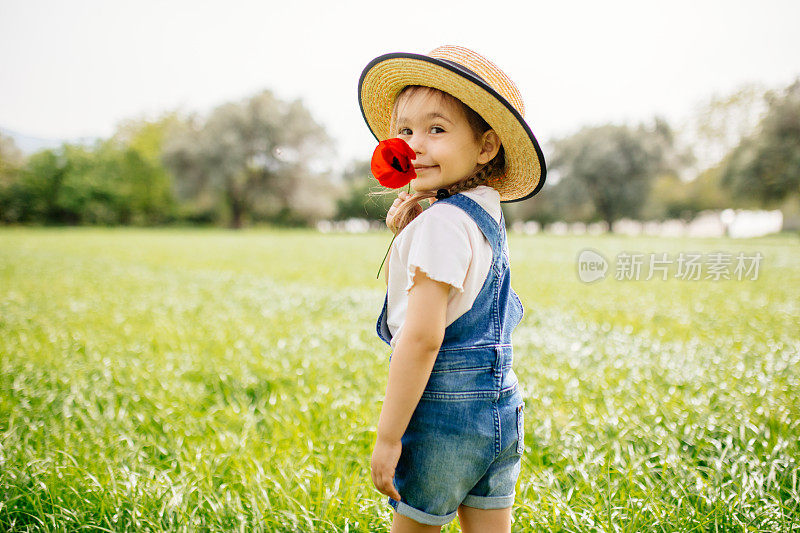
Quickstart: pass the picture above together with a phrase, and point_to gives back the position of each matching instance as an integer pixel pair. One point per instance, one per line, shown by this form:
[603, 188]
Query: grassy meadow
[209, 380]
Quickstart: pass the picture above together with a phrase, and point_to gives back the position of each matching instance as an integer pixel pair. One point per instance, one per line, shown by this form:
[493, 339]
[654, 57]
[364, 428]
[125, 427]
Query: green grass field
[207, 380]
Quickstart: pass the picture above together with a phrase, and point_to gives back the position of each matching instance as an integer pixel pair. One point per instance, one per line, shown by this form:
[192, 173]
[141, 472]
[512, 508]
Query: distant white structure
[597, 228]
[706, 224]
[733, 223]
[672, 228]
[652, 228]
[626, 226]
[557, 228]
[351, 225]
[577, 228]
[743, 224]
[528, 228]
[356, 225]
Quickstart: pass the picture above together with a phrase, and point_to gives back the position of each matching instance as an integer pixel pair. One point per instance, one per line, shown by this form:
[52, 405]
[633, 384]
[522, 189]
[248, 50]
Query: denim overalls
[465, 439]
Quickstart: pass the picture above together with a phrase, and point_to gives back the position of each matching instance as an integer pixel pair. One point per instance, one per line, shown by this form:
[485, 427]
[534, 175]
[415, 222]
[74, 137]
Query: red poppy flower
[391, 163]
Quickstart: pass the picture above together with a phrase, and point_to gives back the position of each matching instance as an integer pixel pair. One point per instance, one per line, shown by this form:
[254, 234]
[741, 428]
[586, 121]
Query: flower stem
[390, 243]
[385, 256]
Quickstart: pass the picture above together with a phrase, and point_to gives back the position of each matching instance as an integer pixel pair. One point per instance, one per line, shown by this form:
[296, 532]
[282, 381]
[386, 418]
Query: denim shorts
[460, 451]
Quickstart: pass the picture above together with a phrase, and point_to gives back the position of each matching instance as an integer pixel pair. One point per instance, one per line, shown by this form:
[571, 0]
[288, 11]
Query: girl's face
[437, 129]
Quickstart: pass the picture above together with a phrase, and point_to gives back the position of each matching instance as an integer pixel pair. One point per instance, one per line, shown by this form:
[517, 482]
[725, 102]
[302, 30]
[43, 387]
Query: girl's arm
[409, 370]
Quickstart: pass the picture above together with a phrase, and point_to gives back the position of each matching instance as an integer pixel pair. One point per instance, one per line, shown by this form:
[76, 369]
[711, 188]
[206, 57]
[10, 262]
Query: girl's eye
[407, 131]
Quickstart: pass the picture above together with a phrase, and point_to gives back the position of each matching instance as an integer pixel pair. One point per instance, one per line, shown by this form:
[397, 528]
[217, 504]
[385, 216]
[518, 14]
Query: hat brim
[385, 76]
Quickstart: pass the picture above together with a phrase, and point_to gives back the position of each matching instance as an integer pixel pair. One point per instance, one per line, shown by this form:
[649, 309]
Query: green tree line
[263, 160]
[611, 171]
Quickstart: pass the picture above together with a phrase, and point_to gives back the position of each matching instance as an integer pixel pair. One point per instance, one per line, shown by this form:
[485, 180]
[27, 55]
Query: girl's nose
[416, 143]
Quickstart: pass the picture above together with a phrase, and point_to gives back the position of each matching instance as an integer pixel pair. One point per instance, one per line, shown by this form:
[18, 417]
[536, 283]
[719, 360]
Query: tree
[254, 158]
[671, 197]
[38, 187]
[11, 159]
[140, 145]
[112, 183]
[766, 164]
[612, 167]
[720, 124]
[107, 183]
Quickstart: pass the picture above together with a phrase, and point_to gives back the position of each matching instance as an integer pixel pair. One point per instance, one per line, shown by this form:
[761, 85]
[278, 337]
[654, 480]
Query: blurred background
[675, 120]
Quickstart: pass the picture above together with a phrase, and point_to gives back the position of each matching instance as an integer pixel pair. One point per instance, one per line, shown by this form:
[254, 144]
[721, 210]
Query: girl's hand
[384, 460]
[393, 225]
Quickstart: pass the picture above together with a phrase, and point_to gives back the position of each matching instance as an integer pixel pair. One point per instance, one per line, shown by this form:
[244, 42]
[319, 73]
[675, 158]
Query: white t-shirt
[448, 246]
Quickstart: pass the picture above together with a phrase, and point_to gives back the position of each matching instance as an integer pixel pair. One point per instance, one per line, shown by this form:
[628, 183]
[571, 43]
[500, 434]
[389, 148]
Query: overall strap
[488, 226]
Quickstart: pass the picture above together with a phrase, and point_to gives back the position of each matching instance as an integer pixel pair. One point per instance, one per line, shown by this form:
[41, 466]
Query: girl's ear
[490, 145]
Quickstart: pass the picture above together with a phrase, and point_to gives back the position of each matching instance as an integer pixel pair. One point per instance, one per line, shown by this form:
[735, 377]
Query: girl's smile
[439, 133]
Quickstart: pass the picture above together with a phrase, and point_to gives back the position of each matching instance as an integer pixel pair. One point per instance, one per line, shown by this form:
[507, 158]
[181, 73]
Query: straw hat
[478, 83]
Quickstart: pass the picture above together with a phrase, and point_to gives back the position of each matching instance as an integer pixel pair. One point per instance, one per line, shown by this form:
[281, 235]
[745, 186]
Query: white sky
[74, 69]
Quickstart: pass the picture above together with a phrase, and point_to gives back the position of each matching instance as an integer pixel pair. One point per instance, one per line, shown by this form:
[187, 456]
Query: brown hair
[492, 171]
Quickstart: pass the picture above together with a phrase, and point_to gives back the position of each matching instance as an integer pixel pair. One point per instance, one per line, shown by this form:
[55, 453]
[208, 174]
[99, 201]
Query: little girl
[450, 434]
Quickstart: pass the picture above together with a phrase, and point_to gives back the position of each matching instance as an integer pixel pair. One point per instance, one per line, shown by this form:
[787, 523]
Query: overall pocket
[520, 429]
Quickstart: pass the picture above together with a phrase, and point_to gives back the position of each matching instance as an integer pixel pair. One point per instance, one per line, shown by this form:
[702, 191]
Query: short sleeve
[439, 247]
